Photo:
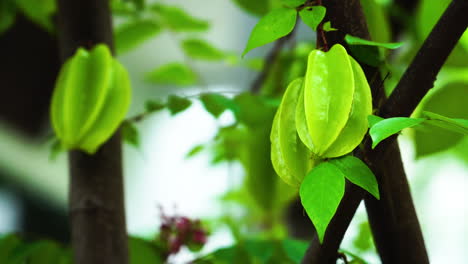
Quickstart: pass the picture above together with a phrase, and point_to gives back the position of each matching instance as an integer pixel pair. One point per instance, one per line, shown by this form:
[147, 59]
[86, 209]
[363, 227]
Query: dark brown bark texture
[96, 198]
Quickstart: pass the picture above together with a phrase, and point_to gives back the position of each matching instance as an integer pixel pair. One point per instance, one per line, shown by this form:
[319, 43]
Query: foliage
[323, 111]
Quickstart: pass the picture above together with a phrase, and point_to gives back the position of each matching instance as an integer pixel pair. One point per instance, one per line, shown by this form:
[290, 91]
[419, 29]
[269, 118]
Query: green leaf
[276, 24]
[363, 240]
[200, 49]
[321, 193]
[178, 20]
[258, 7]
[172, 73]
[252, 110]
[143, 252]
[40, 252]
[453, 124]
[387, 127]
[55, 149]
[295, 249]
[312, 16]
[40, 12]
[352, 40]
[194, 151]
[131, 34]
[130, 134]
[216, 104]
[7, 14]
[177, 104]
[446, 101]
[328, 27]
[358, 173]
[154, 105]
[373, 119]
[377, 20]
[123, 8]
[8, 244]
[369, 55]
[292, 3]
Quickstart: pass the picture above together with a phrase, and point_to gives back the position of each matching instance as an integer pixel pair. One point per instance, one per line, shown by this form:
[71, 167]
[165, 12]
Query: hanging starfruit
[290, 157]
[90, 99]
[326, 112]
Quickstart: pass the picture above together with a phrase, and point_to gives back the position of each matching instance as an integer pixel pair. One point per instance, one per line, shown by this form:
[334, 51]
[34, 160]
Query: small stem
[321, 34]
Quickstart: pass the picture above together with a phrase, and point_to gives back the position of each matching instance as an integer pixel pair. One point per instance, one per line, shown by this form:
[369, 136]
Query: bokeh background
[33, 187]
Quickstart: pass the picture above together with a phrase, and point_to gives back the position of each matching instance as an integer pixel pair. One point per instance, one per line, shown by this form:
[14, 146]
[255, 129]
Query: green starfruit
[325, 112]
[337, 101]
[90, 99]
[290, 157]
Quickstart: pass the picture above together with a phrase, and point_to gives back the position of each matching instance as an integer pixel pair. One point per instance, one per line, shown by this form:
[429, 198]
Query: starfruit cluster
[90, 99]
[322, 115]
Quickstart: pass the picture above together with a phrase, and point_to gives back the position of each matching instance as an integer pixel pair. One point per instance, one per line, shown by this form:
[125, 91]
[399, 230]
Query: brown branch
[96, 198]
[269, 62]
[422, 72]
[393, 222]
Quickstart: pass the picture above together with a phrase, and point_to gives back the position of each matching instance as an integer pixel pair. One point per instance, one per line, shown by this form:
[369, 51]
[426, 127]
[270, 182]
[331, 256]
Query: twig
[269, 62]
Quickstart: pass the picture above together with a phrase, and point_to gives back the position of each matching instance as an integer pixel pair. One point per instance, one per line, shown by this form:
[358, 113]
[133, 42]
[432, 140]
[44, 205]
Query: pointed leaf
[373, 119]
[200, 49]
[178, 20]
[154, 105]
[352, 40]
[445, 101]
[216, 104]
[172, 73]
[257, 8]
[130, 134]
[177, 104]
[276, 24]
[387, 127]
[321, 193]
[130, 35]
[194, 151]
[312, 16]
[358, 173]
[328, 27]
[452, 124]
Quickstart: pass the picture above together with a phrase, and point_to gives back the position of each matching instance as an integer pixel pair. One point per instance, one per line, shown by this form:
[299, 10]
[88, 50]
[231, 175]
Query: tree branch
[393, 218]
[269, 62]
[96, 198]
[422, 72]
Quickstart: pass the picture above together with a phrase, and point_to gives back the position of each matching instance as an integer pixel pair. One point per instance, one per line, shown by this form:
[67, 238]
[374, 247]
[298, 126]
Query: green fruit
[328, 95]
[90, 100]
[323, 115]
[290, 157]
[356, 126]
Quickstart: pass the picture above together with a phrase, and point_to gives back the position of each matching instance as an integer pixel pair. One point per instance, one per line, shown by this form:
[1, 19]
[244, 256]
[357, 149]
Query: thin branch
[269, 62]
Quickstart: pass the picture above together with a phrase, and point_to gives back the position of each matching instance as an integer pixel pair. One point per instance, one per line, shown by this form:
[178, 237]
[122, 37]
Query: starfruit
[325, 112]
[290, 157]
[90, 100]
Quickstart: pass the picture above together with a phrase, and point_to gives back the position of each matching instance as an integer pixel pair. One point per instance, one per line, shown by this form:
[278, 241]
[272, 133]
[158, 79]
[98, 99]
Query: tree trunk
[96, 200]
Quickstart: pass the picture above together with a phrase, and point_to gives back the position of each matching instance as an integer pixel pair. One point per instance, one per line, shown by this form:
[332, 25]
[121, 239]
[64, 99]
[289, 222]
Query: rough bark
[96, 198]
